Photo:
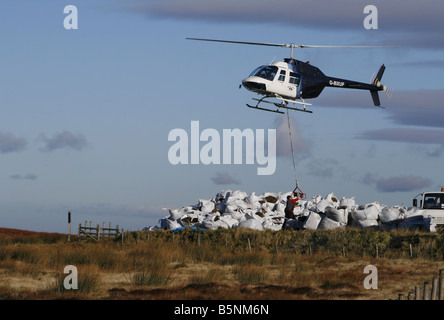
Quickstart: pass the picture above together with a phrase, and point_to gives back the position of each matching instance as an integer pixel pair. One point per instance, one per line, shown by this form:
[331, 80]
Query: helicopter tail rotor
[376, 81]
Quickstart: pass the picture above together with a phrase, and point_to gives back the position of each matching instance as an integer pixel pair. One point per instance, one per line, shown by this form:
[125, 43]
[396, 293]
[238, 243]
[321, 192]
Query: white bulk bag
[390, 215]
[339, 215]
[327, 223]
[175, 214]
[332, 199]
[169, 224]
[312, 221]
[251, 224]
[206, 205]
[347, 202]
[321, 205]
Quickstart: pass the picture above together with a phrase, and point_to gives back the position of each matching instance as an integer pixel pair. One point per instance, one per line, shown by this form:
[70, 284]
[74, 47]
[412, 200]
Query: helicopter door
[283, 84]
[295, 79]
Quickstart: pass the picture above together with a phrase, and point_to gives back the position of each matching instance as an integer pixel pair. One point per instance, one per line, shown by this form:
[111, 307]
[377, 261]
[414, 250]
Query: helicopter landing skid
[283, 104]
[264, 109]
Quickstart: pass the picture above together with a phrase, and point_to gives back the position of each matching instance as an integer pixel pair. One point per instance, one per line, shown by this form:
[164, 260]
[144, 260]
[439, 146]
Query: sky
[86, 113]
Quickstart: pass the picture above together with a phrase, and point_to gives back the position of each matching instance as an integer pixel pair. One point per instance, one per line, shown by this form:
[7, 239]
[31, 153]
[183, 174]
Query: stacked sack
[232, 209]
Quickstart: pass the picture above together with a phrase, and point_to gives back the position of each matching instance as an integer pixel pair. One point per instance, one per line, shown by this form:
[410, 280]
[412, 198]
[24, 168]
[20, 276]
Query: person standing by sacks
[292, 202]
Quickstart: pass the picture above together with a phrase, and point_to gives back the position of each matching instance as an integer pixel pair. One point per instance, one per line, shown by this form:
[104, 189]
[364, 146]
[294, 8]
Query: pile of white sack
[232, 209]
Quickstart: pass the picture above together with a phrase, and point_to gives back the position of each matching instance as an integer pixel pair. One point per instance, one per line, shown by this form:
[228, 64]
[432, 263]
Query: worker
[292, 201]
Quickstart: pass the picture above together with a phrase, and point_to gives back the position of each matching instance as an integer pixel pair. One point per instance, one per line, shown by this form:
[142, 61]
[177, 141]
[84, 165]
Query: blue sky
[85, 114]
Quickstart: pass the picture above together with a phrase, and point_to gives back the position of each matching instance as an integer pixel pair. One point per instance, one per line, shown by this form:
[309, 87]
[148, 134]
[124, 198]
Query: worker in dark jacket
[292, 201]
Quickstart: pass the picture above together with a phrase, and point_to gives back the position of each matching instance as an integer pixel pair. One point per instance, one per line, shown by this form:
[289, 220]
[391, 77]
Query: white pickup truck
[432, 206]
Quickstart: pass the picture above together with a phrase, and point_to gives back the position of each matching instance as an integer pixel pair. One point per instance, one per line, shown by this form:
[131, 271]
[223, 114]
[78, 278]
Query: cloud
[408, 135]
[420, 23]
[28, 176]
[283, 145]
[397, 184]
[421, 107]
[62, 140]
[418, 112]
[10, 143]
[222, 178]
[405, 15]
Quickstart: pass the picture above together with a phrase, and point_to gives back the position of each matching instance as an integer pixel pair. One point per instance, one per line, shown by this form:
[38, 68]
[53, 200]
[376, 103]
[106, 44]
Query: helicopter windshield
[266, 72]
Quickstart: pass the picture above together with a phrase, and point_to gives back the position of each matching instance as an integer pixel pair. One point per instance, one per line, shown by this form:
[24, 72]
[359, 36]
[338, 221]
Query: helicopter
[293, 81]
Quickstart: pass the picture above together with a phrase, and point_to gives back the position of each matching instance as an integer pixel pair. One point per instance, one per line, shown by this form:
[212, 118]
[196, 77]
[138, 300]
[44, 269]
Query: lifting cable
[292, 154]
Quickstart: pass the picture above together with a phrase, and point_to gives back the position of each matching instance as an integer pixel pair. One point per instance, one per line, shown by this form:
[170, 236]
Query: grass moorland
[233, 264]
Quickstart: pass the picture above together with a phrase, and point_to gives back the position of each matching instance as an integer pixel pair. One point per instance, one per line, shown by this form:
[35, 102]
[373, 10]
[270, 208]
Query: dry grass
[221, 265]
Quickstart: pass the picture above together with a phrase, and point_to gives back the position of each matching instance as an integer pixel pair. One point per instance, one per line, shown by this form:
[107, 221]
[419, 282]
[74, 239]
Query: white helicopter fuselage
[278, 79]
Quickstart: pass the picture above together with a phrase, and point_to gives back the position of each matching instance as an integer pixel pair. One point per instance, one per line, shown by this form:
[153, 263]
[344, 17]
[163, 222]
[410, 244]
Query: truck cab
[432, 206]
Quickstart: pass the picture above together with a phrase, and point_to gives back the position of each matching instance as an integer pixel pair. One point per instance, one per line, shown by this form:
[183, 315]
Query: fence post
[441, 285]
[98, 232]
[69, 226]
[410, 296]
[426, 293]
[434, 288]
[249, 244]
[417, 293]
[400, 296]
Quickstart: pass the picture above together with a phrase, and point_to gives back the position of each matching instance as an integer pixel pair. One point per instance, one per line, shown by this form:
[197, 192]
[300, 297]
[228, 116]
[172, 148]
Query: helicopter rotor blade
[316, 46]
[244, 42]
[286, 45]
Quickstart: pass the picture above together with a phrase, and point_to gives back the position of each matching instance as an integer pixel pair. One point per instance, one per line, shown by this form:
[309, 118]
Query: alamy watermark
[70, 282]
[371, 281]
[371, 21]
[228, 148]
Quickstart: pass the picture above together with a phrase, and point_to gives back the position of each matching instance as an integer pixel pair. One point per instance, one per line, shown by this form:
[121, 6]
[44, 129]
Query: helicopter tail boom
[373, 87]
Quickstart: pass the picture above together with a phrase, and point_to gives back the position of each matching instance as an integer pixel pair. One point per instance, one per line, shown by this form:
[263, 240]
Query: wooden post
[417, 293]
[69, 226]
[249, 244]
[98, 232]
[122, 236]
[377, 251]
[441, 285]
[400, 296]
[411, 250]
[410, 296]
[434, 288]
[426, 293]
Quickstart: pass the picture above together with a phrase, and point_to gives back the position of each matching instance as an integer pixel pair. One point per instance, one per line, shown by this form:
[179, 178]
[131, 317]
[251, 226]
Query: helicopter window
[267, 72]
[282, 75]
[255, 71]
[294, 78]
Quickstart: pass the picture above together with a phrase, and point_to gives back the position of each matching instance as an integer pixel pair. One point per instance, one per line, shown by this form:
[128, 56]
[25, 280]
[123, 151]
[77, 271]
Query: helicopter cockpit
[278, 79]
[265, 72]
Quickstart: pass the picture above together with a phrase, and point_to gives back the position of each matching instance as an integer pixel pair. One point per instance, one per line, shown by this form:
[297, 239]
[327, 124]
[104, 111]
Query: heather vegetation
[219, 264]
